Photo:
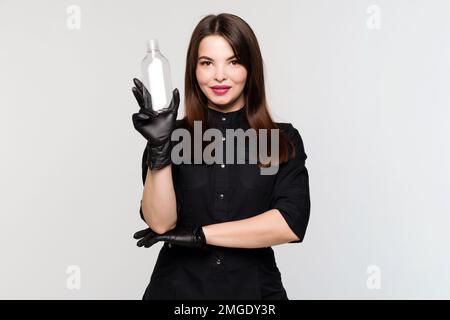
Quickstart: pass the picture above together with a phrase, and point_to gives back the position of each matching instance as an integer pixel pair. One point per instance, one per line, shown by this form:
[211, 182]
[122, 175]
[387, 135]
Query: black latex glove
[192, 237]
[155, 126]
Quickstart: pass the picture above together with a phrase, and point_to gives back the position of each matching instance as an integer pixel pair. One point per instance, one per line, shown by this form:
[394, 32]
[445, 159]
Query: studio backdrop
[365, 82]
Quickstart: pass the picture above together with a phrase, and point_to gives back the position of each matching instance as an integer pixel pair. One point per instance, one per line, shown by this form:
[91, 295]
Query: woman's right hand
[155, 127]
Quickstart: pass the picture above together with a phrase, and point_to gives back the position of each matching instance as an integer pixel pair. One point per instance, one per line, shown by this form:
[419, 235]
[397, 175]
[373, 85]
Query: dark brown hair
[245, 46]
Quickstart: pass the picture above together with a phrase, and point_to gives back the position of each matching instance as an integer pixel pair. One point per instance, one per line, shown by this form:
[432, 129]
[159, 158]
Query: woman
[218, 221]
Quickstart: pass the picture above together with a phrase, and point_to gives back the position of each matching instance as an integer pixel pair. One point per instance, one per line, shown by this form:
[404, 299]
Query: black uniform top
[208, 194]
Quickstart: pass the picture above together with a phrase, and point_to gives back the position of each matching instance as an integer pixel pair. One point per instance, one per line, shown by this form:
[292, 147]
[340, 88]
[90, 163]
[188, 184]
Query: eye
[235, 62]
[205, 62]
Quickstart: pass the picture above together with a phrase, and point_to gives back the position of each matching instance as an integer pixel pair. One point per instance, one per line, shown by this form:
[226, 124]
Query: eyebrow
[208, 58]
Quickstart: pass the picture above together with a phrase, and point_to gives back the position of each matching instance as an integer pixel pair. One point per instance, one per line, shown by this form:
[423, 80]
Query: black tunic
[208, 194]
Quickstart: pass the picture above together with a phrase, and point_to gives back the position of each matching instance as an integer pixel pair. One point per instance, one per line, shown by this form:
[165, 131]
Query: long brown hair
[242, 39]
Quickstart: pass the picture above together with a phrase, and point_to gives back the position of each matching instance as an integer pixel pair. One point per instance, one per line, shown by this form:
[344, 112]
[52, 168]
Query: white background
[372, 106]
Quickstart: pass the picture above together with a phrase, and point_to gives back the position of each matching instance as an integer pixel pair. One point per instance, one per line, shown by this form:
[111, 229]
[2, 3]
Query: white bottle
[156, 76]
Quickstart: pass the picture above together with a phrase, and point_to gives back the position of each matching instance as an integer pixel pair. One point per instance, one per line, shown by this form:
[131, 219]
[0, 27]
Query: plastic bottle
[156, 76]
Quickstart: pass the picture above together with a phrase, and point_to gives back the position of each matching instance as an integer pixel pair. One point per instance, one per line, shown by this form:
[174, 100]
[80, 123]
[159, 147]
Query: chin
[221, 100]
[223, 105]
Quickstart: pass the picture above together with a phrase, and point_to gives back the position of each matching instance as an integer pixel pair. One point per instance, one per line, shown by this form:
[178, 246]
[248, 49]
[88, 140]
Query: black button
[218, 261]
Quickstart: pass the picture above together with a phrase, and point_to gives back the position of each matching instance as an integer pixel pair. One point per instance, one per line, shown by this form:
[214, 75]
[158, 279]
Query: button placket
[220, 203]
[219, 258]
[220, 188]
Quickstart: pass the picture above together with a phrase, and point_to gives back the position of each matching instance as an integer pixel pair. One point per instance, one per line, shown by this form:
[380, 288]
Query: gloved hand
[192, 237]
[156, 127]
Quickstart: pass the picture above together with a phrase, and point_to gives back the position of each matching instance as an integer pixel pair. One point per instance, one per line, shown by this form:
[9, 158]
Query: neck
[226, 110]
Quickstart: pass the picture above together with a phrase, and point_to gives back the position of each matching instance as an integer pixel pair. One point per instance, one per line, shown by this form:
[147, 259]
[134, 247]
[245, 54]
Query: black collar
[231, 119]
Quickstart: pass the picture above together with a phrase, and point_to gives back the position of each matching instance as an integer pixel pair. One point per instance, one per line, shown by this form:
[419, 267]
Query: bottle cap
[152, 45]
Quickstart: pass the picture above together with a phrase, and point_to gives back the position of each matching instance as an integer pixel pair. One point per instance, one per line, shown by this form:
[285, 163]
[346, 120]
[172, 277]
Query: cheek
[240, 76]
[202, 76]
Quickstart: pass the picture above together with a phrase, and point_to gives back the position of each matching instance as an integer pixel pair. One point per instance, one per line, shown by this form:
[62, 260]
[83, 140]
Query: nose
[220, 74]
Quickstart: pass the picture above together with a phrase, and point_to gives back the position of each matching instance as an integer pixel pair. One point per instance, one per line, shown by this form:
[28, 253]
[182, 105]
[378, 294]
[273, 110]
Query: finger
[139, 119]
[151, 242]
[140, 243]
[138, 96]
[147, 240]
[143, 116]
[165, 110]
[138, 84]
[174, 104]
[140, 116]
[147, 99]
[177, 98]
[150, 113]
[142, 233]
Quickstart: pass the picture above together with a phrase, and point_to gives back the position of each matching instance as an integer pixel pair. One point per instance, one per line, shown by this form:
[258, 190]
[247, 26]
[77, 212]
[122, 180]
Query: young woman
[218, 221]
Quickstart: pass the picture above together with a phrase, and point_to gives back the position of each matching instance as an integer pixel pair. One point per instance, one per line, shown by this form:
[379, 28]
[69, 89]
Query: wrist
[159, 156]
[200, 235]
[204, 231]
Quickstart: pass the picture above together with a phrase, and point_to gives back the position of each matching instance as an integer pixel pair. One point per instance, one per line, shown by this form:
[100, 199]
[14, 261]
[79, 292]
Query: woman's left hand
[192, 237]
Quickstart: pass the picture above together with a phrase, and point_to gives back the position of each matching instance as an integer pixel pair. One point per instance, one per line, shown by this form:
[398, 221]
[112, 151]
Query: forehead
[215, 47]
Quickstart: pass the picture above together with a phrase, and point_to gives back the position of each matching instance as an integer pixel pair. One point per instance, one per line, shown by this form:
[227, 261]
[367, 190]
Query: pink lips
[220, 90]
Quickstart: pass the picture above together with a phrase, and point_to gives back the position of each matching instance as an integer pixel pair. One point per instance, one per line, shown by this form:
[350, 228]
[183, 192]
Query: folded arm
[263, 230]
